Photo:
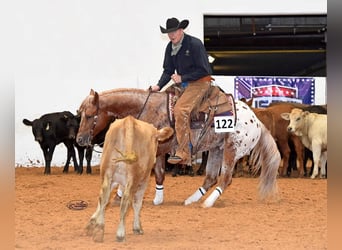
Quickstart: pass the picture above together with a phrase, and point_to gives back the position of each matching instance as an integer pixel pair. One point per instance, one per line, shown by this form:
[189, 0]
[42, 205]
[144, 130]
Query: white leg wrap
[196, 196]
[209, 202]
[159, 197]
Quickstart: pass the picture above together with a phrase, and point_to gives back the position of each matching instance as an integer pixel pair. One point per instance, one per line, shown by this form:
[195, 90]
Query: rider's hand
[155, 88]
[176, 78]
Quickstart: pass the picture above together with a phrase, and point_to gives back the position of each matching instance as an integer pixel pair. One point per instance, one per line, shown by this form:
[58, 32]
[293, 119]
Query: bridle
[95, 117]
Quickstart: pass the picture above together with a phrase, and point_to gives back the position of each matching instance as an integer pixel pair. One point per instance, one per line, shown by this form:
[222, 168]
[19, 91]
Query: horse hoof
[187, 202]
[205, 205]
[157, 202]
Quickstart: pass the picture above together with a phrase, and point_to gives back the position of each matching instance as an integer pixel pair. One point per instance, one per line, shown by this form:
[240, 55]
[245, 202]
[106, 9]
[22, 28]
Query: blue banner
[265, 90]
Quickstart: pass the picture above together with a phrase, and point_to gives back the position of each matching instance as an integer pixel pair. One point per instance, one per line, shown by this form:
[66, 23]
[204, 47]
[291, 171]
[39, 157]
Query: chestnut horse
[225, 149]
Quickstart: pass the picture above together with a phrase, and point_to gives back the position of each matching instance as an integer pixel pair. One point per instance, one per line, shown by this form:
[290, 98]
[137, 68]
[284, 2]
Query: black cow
[52, 129]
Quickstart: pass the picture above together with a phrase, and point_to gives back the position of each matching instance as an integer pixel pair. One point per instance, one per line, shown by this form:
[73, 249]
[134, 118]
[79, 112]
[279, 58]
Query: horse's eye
[88, 117]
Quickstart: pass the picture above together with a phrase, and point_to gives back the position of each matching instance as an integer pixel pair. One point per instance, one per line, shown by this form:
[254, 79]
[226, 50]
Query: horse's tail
[266, 157]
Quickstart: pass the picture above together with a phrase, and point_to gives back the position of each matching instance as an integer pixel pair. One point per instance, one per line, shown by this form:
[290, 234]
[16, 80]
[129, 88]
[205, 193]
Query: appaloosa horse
[224, 148]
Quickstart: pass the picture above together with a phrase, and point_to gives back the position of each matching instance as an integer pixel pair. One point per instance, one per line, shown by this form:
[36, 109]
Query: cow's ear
[285, 116]
[306, 113]
[164, 133]
[64, 118]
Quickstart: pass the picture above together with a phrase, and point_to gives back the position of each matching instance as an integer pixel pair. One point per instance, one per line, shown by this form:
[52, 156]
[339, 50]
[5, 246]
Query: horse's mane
[130, 90]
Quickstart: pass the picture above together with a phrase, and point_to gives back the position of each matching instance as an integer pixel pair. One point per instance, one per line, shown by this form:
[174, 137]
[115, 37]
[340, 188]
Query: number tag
[224, 124]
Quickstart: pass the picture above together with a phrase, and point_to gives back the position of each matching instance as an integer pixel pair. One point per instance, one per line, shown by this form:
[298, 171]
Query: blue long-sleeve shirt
[191, 61]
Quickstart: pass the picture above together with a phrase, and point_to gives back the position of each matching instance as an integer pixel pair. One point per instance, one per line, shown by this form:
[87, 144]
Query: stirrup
[174, 159]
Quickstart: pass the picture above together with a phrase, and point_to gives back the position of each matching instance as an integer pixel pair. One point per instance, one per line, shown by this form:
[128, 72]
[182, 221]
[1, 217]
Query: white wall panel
[66, 47]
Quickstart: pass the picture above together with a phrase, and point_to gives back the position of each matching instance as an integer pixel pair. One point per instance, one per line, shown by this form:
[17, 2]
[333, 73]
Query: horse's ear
[92, 92]
[96, 98]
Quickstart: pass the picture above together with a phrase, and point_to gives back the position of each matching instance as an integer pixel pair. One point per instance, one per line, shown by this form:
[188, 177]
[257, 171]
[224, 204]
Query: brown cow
[282, 137]
[271, 118]
[129, 154]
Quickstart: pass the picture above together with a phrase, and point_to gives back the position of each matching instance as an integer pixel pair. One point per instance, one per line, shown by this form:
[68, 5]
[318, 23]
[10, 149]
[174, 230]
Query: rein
[148, 96]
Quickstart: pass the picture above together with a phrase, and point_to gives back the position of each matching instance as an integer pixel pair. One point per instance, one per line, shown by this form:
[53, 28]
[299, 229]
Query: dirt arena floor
[237, 220]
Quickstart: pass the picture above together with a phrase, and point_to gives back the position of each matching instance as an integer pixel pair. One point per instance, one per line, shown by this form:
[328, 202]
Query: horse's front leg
[227, 169]
[212, 172]
[159, 173]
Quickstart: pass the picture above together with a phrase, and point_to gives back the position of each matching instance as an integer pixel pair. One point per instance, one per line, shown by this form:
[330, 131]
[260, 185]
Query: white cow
[312, 130]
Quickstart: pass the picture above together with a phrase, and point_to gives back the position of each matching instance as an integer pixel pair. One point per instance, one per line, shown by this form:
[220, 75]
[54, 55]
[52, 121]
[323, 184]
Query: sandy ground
[238, 219]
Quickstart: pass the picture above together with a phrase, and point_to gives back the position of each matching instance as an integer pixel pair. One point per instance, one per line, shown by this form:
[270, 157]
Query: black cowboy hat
[173, 24]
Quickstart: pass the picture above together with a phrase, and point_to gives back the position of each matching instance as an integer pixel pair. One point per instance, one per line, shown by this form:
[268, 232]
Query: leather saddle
[214, 103]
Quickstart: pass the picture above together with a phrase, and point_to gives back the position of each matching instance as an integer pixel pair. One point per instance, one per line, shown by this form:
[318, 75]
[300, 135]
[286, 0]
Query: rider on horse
[186, 63]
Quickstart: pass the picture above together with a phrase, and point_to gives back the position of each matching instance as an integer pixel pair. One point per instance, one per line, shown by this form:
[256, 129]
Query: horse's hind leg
[203, 165]
[225, 179]
[212, 172]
